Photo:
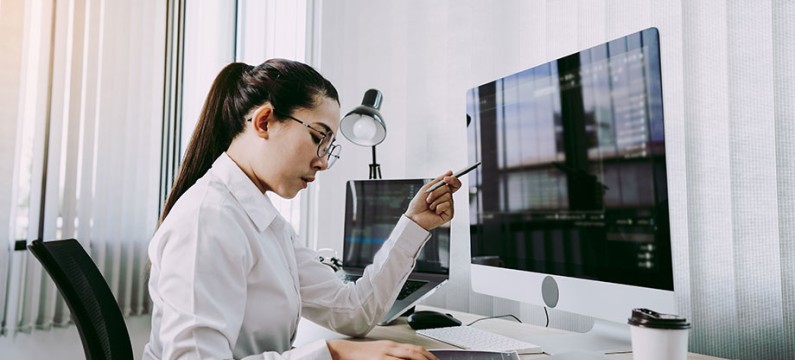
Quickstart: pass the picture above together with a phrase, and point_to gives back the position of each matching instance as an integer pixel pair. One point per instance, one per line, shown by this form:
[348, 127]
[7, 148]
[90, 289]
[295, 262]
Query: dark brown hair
[238, 88]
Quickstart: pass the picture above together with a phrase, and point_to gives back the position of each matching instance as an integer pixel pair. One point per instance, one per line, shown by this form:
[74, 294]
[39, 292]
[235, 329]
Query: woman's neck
[243, 160]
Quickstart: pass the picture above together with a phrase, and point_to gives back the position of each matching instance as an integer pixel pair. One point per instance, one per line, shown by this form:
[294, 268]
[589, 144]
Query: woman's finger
[453, 183]
[446, 197]
[444, 208]
[444, 189]
[436, 180]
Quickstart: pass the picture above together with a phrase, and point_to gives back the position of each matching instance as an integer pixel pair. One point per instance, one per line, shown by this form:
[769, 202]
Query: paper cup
[657, 336]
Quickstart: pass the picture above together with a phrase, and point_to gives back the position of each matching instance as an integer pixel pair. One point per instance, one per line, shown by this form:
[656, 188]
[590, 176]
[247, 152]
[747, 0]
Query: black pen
[458, 174]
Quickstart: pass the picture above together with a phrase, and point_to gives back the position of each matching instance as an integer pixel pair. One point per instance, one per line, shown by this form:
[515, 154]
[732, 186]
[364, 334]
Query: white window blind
[96, 97]
[86, 150]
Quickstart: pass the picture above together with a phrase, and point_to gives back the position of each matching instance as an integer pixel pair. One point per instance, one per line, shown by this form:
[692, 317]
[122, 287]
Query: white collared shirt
[230, 279]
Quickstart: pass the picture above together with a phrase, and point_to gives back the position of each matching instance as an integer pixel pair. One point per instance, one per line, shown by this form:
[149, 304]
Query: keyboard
[408, 288]
[350, 277]
[471, 338]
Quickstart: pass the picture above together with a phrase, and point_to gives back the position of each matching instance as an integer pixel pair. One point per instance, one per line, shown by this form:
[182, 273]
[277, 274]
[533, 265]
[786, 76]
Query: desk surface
[399, 331]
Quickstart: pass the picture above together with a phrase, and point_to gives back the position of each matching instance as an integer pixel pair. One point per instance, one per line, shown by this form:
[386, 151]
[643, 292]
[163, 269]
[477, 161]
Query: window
[218, 33]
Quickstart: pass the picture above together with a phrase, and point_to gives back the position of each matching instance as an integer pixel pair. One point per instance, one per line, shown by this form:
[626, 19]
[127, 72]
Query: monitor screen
[372, 208]
[573, 184]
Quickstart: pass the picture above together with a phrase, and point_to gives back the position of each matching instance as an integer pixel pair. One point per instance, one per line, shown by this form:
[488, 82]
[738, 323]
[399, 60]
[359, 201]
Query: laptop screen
[372, 208]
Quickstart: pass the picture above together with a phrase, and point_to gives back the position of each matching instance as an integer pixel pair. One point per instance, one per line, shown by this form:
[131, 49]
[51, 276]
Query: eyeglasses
[326, 143]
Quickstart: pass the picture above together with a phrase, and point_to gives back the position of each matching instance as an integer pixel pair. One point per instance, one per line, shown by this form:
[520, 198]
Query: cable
[547, 314]
[494, 317]
[330, 259]
[509, 315]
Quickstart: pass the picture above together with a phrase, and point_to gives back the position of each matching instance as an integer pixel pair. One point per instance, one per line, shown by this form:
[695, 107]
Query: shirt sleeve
[354, 309]
[202, 285]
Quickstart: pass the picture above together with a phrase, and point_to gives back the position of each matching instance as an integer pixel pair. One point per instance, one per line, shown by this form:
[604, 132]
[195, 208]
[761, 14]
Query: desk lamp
[365, 126]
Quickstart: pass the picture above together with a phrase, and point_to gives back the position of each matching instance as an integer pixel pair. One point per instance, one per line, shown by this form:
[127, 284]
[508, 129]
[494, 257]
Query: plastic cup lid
[652, 319]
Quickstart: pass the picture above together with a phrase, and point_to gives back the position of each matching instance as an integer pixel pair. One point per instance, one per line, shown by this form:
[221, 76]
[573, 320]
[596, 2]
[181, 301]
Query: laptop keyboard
[408, 288]
[350, 278]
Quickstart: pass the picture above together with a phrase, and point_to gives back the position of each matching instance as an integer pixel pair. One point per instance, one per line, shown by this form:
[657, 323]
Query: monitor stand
[605, 337]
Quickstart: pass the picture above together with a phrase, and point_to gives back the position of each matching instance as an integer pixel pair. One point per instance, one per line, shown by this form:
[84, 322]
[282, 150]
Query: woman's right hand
[430, 210]
[381, 349]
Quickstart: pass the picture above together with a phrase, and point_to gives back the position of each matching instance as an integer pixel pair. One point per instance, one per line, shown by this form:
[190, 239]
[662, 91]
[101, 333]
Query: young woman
[229, 279]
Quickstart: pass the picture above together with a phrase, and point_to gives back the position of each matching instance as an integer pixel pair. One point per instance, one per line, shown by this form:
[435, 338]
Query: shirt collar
[257, 205]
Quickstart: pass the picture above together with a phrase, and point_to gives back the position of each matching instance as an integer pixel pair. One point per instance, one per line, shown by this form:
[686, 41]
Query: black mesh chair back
[94, 308]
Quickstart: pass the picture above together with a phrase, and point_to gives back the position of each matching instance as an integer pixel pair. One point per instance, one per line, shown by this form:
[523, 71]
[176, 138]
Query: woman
[228, 276]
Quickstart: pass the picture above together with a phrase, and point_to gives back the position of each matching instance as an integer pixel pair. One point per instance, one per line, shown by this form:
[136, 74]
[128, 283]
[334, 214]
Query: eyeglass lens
[331, 152]
[327, 147]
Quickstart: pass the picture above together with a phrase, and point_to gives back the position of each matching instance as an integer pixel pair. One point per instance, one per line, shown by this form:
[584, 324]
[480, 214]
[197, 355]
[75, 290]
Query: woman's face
[292, 160]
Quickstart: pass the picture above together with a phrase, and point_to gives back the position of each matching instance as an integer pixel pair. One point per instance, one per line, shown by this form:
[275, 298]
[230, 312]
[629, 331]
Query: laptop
[372, 209]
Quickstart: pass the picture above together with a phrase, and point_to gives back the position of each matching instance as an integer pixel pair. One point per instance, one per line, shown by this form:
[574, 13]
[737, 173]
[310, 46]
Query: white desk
[399, 331]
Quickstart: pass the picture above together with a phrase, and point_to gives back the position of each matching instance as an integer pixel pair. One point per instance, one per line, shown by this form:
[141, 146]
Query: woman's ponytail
[214, 132]
[237, 89]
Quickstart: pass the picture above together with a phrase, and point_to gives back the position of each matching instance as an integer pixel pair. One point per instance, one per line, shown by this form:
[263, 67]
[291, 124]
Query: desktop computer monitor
[569, 209]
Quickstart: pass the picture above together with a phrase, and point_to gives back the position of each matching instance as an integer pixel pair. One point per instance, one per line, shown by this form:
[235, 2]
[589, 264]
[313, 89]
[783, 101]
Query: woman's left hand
[433, 209]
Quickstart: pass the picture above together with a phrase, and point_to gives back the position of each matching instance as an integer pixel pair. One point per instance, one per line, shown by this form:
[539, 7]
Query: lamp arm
[375, 168]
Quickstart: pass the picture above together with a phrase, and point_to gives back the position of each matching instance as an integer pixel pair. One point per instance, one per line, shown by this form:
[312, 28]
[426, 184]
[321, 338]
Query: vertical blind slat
[11, 81]
[34, 90]
[709, 209]
[755, 209]
[783, 29]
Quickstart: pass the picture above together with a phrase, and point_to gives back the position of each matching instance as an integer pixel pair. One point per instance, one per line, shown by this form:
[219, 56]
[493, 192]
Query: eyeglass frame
[328, 151]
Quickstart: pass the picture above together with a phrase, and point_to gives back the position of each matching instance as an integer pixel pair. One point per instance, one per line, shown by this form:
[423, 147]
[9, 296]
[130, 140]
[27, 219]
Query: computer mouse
[426, 319]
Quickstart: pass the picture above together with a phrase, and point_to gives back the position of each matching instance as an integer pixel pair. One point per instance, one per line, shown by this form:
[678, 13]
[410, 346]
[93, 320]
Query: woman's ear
[262, 118]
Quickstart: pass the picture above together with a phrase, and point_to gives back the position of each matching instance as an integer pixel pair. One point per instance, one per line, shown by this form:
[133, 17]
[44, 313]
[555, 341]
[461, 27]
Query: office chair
[94, 309]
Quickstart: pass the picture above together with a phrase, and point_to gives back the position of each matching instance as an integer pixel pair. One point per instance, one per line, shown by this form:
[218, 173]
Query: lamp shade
[364, 125]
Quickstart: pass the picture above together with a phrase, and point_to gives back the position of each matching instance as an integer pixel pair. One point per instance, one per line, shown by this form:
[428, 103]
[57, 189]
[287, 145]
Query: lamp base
[375, 171]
